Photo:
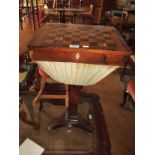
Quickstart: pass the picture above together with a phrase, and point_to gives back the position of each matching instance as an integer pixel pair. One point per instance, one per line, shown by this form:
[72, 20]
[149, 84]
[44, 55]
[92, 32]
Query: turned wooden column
[33, 15]
[74, 100]
[37, 13]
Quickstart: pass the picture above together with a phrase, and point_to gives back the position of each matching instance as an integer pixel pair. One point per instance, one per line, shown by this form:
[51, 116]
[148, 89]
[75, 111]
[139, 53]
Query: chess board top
[75, 36]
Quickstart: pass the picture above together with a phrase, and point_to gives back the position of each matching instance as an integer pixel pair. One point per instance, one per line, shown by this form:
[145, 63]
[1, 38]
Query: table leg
[74, 17]
[72, 118]
[125, 65]
[42, 85]
[62, 17]
[21, 23]
[74, 100]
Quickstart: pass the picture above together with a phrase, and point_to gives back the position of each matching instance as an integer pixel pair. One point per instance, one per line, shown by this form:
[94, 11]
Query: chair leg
[126, 96]
[42, 85]
[83, 20]
[67, 96]
[132, 103]
[41, 105]
[21, 23]
[124, 68]
[74, 18]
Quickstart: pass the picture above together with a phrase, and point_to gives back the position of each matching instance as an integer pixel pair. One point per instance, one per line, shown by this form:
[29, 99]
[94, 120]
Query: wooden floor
[120, 121]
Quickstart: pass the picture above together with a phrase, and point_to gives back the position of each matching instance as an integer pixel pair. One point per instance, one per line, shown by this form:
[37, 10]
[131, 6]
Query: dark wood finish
[125, 97]
[28, 11]
[20, 19]
[69, 55]
[74, 98]
[98, 3]
[37, 13]
[20, 3]
[75, 9]
[63, 10]
[52, 42]
[44, 19]
[75, 3]
[103, 145]
[129, 63]
[109, 5]
[82, 3]
[58, 96]
[42, 85]
[72, 118]
[47, 48]
[86, 3]
[97, 10]
[97, 15]
[87, 15]
[33, 15]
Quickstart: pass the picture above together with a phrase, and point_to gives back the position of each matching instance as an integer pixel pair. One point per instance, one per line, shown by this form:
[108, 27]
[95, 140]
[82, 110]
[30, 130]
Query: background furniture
[40, 94]
[128, 28]
[129, 63]
[101, 7]
[129, 93]
[66, 11]
[129, 72]
[26, 76]
[33, 9]
[86, 15]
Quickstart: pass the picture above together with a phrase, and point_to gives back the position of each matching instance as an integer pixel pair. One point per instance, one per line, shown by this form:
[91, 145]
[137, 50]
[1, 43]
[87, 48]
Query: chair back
[128, 18]
[91, 7]
[75, 4]
[131, 18]
[52, 4]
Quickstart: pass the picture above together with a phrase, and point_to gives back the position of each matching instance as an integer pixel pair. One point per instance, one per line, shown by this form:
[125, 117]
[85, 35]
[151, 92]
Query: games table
[78, 55]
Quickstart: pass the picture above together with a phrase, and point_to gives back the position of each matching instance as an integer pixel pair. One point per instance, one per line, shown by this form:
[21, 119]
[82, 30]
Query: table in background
[62, 12]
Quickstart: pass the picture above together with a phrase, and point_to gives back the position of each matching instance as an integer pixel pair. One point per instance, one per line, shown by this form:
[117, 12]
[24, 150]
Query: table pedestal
[72, 118]
[62, 17]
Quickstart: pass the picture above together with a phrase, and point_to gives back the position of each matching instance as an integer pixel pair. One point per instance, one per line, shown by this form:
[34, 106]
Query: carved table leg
[72, 117]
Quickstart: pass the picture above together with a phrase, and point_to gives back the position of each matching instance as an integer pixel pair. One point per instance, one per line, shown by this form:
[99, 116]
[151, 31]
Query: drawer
[79, 57]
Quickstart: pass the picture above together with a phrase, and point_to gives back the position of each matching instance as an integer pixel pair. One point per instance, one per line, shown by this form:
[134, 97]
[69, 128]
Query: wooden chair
[87, 14]
[129, 63]
[129, 20]
[75, 4]
[40, 94]
[129, 91]
[60, 3]
[128, 29]
[118, 18]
